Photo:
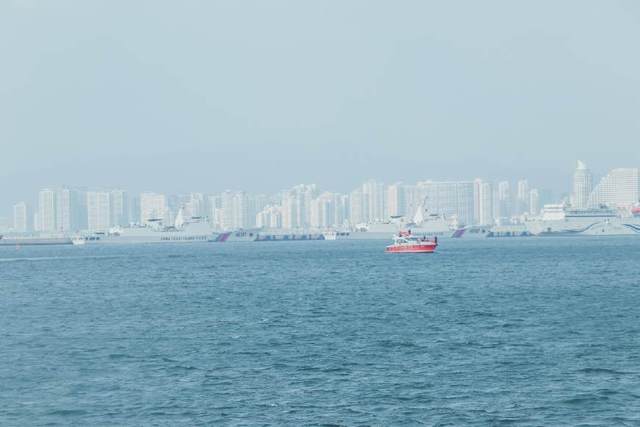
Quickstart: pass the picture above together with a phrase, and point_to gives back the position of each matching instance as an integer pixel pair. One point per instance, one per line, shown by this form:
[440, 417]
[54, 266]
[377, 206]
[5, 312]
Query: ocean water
[537, 331]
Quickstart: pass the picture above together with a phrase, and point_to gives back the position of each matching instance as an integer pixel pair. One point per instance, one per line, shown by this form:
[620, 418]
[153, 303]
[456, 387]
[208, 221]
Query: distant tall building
[358, 207]
[482, 202]
[237, 210]
[70, 210]
[341, 210]
[396, 200]
[134, 209]
[213, 210]
[64, 210]
[522, 199]
[534, 202]
[373, 193]
[47, 210]
[240, 211]
[20, 217]
[269, 217]
[227, 221]
[98, 210]
[503, 202]
[296, 206]
[619, 188]
[582, 186]
[323, 210]
[153, 207]
[119, 208]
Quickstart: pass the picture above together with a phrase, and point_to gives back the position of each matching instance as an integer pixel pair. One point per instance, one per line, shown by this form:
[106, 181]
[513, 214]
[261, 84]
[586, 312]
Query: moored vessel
[562, 220]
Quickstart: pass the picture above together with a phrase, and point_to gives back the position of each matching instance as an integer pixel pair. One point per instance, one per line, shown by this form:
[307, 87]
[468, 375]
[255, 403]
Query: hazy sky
[261, 95]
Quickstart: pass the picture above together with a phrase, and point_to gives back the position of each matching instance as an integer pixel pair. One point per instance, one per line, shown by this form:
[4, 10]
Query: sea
[514, 331]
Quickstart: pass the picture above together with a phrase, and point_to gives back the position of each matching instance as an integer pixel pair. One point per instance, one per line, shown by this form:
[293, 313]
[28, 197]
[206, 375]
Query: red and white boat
[404, 242]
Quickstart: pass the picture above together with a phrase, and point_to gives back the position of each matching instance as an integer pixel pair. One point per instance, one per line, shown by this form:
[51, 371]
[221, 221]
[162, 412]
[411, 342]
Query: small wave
[584, 399]
[605, 371]
[68, 412]
[118, 356]
[57, 258]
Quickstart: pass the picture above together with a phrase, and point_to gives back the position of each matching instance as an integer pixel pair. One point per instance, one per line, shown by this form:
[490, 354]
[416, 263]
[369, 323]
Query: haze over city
[286, 212]
[262, 96]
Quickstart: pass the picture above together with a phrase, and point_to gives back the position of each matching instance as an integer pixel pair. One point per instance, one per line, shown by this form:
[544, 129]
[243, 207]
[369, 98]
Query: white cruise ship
[562, 220]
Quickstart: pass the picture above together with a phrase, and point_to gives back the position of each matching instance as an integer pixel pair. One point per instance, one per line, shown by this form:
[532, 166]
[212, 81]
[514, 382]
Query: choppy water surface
[523, 331]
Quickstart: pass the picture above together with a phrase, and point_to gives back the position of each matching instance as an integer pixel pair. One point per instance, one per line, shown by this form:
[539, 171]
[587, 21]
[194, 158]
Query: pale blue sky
[261, 95]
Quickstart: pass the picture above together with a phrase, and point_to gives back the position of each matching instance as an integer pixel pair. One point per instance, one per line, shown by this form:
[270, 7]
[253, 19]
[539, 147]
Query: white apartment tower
[534, 201]
[396, 200]
[522, 199]
[119, 208]
[482, 202]
[582, 186]
[374, 197]
[503, 201]
[20, 222]
[98, 210]
[64, 209]
[47, 210]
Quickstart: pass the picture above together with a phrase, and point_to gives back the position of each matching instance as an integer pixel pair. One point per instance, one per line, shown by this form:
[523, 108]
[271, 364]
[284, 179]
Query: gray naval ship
[193, 230]
[423, 223]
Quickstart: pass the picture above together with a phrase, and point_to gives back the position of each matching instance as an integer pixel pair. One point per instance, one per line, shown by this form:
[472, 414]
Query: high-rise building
[119, 205]
[269, 217]
[98, 210]
[452, 199]
[20, 217]
[213, 210]
[482, 202]
[396, 200]
[236, 210]
[64, 209]
[71, 211]
[534, 201]
[619, 188]
[153, 208]
[342, 210]
[522, 199]
[358, 208]
[502, 205]
[582, 186]
[226, 210]
[240, 211]
[47, 210]
[374, 196]
[296, 206]
[323, 210]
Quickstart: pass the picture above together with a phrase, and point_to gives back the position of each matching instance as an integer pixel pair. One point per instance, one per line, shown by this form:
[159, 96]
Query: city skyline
[563, 187]
[308, 206]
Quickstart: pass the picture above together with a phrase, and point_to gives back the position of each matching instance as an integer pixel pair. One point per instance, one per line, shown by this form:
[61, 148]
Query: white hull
[192, 233]
[613, 227]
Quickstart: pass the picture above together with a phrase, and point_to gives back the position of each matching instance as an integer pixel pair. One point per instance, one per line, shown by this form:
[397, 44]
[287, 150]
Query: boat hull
[411, 249]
